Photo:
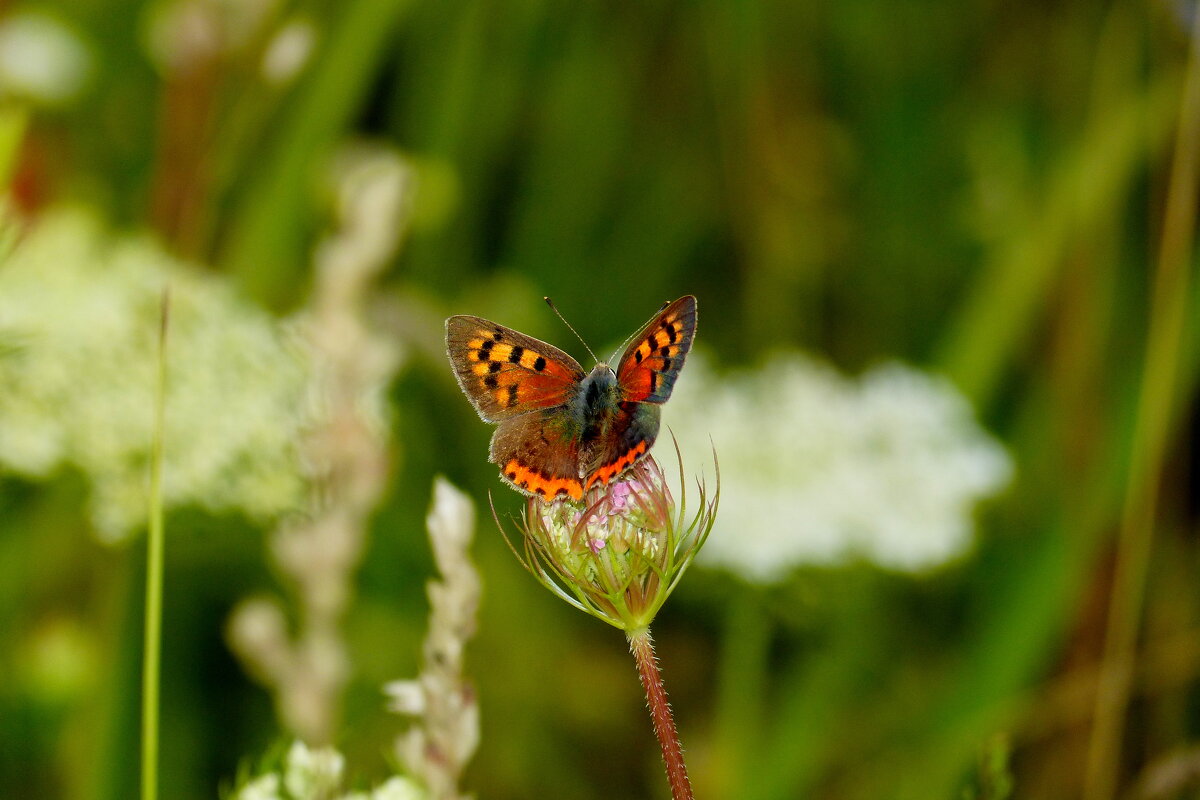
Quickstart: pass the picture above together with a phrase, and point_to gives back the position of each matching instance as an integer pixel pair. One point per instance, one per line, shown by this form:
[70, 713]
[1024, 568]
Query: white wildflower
[289, 50]
[399, 788]
[405, 697]
[79, 321]
[817, 468]
[41, 59]
[264, 787]
[317, 774]
[445, 733]
[312, 772]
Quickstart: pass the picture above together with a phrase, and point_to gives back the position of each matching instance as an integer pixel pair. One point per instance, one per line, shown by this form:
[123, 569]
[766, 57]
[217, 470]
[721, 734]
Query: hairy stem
[642, 647]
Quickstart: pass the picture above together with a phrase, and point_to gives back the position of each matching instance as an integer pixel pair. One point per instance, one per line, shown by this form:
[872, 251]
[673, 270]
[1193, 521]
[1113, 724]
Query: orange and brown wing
[505, 373]
[539, 454]
[651, 363]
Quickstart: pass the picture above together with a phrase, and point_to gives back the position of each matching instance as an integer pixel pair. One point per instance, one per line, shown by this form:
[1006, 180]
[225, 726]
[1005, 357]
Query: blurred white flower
[317, 774]
[183, 34]
[405, 697]
[312, 772]
[399, 788]
[817, 468]
[264, 787]
[445, 732]
[41, 59]
[289, 51]
[79, 321]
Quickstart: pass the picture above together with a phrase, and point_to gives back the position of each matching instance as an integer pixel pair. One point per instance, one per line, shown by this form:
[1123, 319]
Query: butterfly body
[562, 430]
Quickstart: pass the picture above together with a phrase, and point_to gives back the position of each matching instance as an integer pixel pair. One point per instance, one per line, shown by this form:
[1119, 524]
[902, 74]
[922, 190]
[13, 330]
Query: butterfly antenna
[550, 303]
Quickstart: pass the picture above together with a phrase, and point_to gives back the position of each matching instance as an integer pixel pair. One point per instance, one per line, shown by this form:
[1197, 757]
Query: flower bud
[618, 553]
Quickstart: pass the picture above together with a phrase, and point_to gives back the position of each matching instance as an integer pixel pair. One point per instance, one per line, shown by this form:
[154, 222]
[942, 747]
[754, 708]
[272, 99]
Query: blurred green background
[977, 189]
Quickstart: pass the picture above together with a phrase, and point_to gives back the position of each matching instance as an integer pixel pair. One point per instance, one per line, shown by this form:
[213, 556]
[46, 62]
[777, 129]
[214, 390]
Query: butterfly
[562, 430]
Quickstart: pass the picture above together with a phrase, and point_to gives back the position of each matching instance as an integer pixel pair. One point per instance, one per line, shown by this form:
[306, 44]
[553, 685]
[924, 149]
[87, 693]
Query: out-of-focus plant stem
[993, 324]
[441, 700]
[1037, 581]
[642, 647]
[1164, 344]
[347, 452]
[152, 647]
[268, 223]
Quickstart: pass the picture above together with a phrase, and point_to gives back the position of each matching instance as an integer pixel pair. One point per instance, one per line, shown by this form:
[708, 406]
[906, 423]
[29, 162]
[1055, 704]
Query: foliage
[974, 190]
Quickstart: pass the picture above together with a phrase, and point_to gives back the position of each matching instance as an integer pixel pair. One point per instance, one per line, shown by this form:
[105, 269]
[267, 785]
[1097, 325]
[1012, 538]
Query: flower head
[313, 772]
[80, 308]
[619, 553]
[823, 468]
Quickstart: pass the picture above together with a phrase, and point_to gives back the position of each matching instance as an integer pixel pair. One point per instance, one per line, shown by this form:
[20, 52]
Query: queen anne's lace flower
[818, 468]
[79, 322]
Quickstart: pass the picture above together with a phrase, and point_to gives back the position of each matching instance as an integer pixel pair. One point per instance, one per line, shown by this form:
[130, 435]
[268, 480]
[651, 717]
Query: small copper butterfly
[562, 430]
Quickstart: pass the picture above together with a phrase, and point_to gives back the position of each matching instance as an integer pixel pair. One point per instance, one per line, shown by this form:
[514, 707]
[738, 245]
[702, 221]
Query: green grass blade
[152, 649]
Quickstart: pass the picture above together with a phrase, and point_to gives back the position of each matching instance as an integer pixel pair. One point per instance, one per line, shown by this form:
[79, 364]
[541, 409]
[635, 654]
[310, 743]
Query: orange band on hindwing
[609, 471]
[534, 482]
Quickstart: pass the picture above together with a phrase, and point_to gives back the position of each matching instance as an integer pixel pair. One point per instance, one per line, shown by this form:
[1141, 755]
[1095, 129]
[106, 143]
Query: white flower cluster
[79, 329]
[817, 468]
[316, 774]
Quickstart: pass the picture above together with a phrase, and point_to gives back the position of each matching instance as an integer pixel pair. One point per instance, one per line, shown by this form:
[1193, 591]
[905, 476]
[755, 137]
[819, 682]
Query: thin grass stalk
[1164, 345]
[152, 647]
[642, 647]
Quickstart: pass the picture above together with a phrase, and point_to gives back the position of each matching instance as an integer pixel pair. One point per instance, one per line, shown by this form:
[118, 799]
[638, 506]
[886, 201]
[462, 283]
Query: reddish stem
[642, 647]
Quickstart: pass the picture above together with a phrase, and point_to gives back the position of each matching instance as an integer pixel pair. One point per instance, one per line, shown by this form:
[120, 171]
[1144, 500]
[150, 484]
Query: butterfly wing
[651, 363]
[505, 373]
[646, 375]
[526, 386]
[538, 453]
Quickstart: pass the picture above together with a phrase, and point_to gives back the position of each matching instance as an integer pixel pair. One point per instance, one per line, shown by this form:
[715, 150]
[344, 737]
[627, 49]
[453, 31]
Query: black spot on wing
[515, 356]
[540, 364]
